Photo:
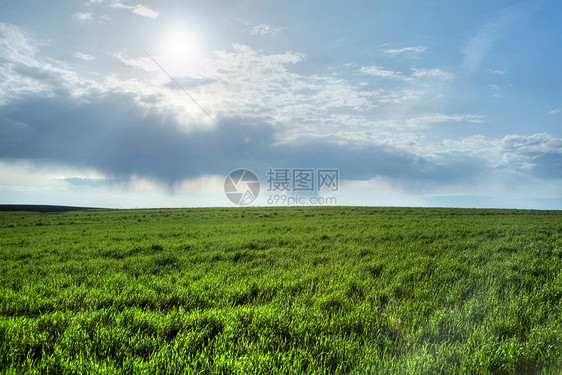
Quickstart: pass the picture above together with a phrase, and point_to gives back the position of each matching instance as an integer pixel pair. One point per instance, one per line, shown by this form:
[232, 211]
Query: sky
[137, 104]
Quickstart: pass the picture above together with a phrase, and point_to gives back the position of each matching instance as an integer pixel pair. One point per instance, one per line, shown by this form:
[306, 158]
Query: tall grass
[343, 290]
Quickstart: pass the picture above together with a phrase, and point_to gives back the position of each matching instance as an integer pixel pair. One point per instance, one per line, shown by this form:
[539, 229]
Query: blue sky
[432, 103]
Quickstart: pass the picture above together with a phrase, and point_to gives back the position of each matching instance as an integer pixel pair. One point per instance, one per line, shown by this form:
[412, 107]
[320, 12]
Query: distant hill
[40, 208]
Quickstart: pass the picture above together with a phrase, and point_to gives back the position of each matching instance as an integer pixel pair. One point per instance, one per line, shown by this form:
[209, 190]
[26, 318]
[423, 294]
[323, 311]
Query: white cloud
[540, 152]
[252, 82]
[378, 71]
[246, 83]
[264, 29]
[405, 50]
[432, 118]
[533, 145]
[14, 45]
[83, 17]
[144, 63]
[515, 153]
[25, 73]
[243, 82]
[404, 131]
[431, 73]
[497, 71]
[84, 56]
[482, 42]
[554, 111]
[141, 10]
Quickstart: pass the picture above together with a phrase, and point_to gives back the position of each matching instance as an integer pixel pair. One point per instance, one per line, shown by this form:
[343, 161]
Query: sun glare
[179, 46]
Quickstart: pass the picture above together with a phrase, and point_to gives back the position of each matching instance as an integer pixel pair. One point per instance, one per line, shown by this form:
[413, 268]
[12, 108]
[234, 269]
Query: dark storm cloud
[115, 135]
[365, 161]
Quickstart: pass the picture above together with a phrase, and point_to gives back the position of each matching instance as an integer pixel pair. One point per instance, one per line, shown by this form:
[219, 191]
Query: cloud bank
[269, 115]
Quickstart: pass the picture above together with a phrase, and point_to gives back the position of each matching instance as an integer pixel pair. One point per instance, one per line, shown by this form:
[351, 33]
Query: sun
[179, 46]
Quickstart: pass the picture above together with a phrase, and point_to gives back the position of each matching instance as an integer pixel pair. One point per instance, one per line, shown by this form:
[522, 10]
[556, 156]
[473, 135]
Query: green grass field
[342, 290]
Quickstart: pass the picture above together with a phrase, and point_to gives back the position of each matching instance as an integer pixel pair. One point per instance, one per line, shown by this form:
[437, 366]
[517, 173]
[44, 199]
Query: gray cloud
[115, 135]
[540, 153]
